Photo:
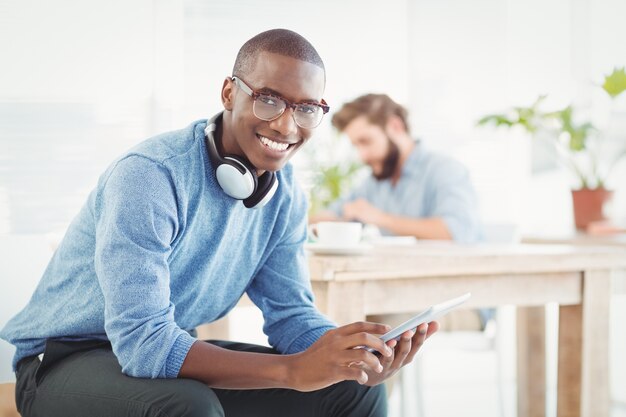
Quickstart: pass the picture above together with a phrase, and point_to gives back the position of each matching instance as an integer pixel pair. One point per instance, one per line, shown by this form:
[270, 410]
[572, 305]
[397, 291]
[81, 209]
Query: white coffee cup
[336, 233]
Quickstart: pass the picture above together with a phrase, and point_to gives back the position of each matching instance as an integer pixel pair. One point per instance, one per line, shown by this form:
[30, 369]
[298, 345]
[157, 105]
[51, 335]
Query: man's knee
[191, 399]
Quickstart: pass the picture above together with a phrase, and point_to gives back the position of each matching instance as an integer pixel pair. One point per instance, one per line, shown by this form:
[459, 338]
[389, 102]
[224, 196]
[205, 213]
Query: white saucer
[321, 249]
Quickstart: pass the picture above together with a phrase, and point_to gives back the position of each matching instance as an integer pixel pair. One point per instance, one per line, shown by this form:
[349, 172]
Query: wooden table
[578, 278]
[578, 238]
[584, 239]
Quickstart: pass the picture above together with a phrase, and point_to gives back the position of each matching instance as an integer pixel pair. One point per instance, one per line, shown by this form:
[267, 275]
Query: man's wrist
[289, 371]
[283, 371]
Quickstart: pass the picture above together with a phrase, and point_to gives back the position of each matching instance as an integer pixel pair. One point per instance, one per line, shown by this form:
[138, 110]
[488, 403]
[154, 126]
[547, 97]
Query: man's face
[262, 142]
[374, 146]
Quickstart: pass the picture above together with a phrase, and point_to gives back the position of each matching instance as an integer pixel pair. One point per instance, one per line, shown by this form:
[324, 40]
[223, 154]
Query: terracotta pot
[589, 204]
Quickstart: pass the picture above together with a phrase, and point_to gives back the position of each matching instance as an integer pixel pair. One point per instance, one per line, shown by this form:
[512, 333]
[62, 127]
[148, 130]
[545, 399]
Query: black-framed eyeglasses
[268, 107]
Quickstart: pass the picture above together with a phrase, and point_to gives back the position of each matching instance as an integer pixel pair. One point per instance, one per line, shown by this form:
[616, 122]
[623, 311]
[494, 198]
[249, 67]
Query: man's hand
[336, 357]
[362, 211]
[404, 351]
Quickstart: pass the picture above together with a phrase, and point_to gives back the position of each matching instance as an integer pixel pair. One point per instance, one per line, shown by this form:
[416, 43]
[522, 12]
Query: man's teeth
[273, 145]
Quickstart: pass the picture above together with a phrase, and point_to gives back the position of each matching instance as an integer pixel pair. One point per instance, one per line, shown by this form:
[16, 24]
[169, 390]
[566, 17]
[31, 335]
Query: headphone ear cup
[235, 178]
[266, 187]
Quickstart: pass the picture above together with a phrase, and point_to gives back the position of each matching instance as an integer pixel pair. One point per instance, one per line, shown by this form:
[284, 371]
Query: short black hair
[280, 41]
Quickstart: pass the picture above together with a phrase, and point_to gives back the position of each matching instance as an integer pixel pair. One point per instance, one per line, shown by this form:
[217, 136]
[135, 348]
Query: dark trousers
[85, 380]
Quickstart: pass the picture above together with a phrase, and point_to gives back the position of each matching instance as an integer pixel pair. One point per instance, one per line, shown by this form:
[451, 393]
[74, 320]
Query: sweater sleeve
[282, 290]
[136, 221]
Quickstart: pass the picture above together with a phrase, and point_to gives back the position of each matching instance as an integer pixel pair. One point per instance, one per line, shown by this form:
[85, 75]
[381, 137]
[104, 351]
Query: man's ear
[227, 93]
[394, 126]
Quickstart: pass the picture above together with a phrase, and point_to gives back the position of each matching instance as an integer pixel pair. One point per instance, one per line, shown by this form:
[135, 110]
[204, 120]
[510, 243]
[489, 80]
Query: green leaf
[577, 141]
[497, 120]
[530, 118]
[615, 83]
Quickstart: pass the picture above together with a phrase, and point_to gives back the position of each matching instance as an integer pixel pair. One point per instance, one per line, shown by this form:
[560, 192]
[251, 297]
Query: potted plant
[577, 145]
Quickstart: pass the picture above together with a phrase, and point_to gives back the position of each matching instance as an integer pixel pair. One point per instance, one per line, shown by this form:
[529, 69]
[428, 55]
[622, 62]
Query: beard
[390, 163]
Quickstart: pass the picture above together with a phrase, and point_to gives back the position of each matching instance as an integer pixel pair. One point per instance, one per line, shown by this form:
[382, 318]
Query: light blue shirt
[159, 249]
[430, 185]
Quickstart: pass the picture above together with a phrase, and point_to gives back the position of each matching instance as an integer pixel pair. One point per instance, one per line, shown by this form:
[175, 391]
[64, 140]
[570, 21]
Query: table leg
[531, 362]
[583, 377]
[7, 400]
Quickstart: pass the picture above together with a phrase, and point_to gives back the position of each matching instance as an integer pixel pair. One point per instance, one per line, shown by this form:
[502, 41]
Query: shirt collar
[411, 165]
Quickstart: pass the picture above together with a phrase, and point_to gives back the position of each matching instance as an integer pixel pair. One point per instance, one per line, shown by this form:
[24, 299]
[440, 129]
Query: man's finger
[363, 326]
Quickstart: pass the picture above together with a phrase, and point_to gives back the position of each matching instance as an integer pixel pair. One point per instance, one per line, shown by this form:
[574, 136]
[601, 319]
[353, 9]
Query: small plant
[333, 171]
[329, 184]
[578, 145]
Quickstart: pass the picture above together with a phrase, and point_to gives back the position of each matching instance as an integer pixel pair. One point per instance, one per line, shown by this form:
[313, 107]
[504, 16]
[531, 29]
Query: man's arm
[421, 228]
[361, 210]
[136, 220]
[326, 362]
[332, 359]
[425, 228]
[452, 213]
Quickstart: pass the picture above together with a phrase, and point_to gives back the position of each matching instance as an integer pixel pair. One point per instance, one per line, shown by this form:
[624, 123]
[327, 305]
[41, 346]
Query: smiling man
[174, 233]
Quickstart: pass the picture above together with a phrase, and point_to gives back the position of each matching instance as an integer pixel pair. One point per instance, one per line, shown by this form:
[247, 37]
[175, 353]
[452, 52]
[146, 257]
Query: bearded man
[412, 191]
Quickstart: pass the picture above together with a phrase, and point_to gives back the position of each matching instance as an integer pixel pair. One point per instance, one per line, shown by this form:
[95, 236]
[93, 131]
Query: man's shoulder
[170, 153]
[288, 185]
[290, 195]
[435, 161]
[168, 145]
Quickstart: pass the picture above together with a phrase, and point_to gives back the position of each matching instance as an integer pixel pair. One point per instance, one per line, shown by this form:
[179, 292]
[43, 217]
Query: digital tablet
[428, 315]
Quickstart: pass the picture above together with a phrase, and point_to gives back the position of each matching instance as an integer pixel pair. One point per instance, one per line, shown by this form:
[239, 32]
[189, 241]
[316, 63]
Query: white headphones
[236, 176]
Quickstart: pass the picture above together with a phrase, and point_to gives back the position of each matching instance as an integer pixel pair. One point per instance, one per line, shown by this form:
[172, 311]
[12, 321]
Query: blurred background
[82, 81]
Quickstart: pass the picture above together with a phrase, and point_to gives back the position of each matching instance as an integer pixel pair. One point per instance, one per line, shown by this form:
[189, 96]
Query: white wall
[82, 81]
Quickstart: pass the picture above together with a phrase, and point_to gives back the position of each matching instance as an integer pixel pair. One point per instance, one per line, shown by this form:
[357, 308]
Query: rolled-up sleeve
[454, 200]
[136, 215]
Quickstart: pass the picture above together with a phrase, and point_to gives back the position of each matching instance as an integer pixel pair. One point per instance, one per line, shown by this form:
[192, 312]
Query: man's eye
[269, 100]
[307, 108]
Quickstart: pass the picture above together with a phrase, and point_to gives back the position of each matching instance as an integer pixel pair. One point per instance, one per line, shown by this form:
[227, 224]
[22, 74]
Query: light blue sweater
[159, 249]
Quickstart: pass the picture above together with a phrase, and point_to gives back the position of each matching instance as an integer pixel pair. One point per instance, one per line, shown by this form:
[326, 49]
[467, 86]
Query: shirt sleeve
[282, 290]
[454, 200]
[136, 221]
